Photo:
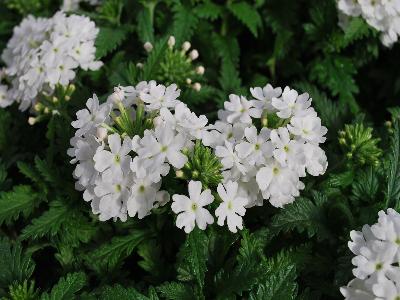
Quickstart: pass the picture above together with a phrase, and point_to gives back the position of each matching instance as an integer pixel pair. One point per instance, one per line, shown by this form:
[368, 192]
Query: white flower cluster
[383, 15]
[377, 253]
[72, 5]
[125, 146]
[44, 52]
[268, 164]
[121, 175]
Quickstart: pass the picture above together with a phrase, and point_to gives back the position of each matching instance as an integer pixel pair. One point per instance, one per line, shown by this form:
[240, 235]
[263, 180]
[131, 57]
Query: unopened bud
[186, 46]
[188, 80]
[200, 70]
[197, 86]
[388, 124]
[31, 120]
[179, 174]
[171, 42]
[55, 99]
[342, 133]
[139, 65]
[342, 141]
[38, 106]
[67, 98]
[101, 133]
[148, 46]
[117, 96]
[194, 54]
[46, 110]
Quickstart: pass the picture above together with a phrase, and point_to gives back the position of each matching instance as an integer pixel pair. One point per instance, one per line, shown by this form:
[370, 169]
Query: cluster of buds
[360, 145]
[178, 65]
[51, 104]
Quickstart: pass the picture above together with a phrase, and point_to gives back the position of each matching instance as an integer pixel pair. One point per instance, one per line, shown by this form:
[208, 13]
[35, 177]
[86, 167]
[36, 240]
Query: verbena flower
[376, 249]
[382, 15]
[45, 52]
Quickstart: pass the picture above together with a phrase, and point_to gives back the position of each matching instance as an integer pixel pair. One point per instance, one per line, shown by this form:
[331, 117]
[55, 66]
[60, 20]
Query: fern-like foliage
[246, 14]
[393, 175]
[20, 201]
[67, 287]
[15, 265]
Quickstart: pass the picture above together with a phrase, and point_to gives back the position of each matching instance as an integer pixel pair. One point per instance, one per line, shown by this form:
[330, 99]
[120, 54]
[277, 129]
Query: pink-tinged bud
[200, 70]
[197, 86]
[194, 54]
[186, 46]
[171, 42]
[101, 133]
[148, 46]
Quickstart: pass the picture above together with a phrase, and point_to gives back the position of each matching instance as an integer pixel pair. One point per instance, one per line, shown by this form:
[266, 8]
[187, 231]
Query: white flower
[308, 128]
[316, 161]
[5, 99]
[229, 157]
[241, 109]
[117, 159]
[278, 184]
[143, 197]
[357, 290]
[291, 103]
[264, 96]
[287, 152]
[257, 147]
[387, 289]
[220, 132]
[163, 144]
[158, 96]
[232, 207]
[191, 209]
[45, 52]
[92, 117]
[113, 192]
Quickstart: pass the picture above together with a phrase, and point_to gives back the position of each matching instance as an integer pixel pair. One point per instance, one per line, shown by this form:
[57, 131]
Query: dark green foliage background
[49, 236]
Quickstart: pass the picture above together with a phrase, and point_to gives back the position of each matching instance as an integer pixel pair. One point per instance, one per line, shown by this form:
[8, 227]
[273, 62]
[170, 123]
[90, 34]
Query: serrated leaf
[193, 257]
[279, 281]
[145, 27]
[107, 256]
[393, 174]
[67, 287]
[248, 15]
[176, 291]
[20, 201]
[185, 22]
[121, 293]
[209, 10]
[49, 223]
[14, 264]
[154, 59]
[109, 39]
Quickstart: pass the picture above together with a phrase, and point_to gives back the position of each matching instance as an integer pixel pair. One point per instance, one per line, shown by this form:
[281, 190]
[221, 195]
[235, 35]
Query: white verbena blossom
[376, 249]
[383, 15]
[44, 52]
[272, 159]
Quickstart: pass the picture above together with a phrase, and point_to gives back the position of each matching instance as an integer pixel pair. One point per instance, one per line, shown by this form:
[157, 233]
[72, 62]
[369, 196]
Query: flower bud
[31, 120]
[171, 42]
[54, 99]
[101, 133]
[188, 80]
[38, 106]
[148, 46]
[193, 54]
[139, 65]
[179, 174]
[200, 70]
[117, 96]
[186, 46]
[197, 86]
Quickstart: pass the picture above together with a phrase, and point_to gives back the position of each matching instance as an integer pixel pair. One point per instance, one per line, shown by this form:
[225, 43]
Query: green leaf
[247, 272]
[49, 223]
[108, 39]
[193, 258]
[145, 24]
[176, 291]
[107, 256]
[209, 10]
[154, 59]
[185, 22]
[67, 287]
[14, 264]
[247, 14]
[366, 185]
[119, 292]
[393, 174]
[21, 200]
[279, 281]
